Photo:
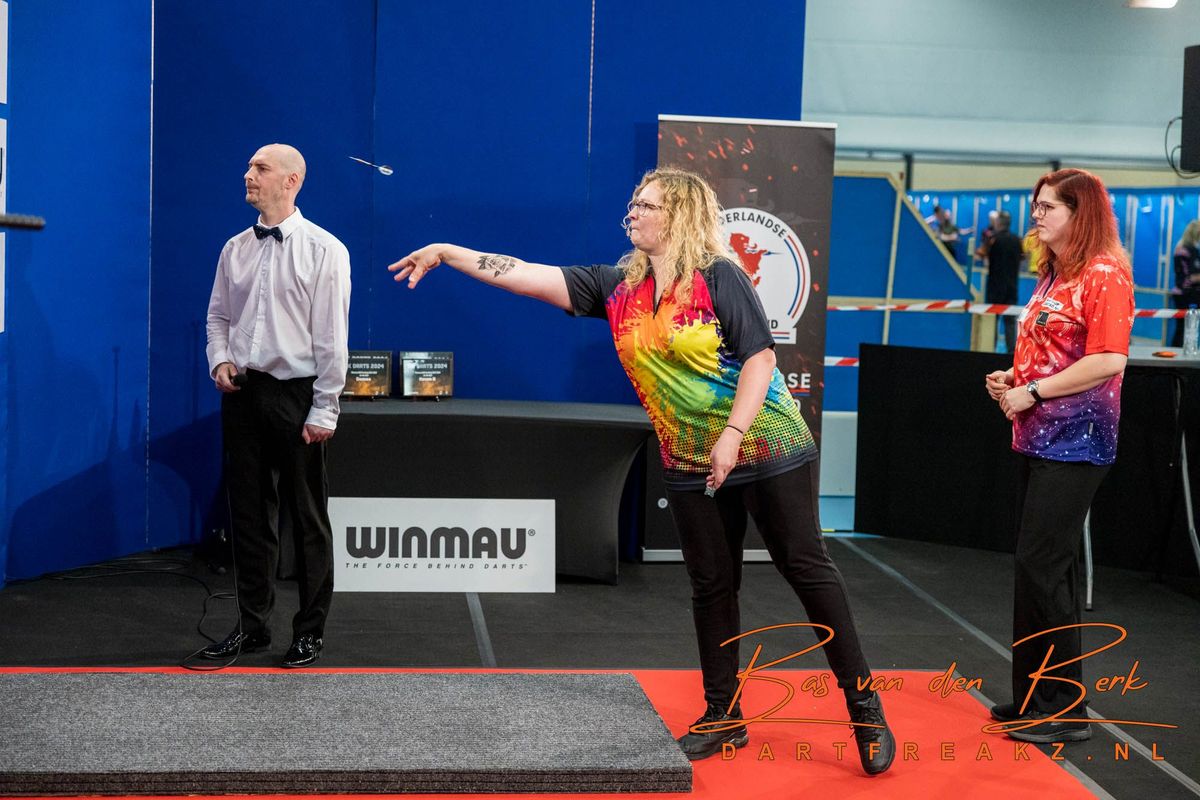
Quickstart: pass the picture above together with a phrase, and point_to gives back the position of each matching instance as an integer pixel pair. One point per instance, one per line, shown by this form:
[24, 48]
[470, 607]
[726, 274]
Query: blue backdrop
[533, 149]
[228, 79]
[77, 293]
[512, 130]
[515, 131]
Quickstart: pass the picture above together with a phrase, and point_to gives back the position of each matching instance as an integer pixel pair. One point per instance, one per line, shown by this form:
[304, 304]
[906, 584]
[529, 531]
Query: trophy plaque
[427, 374]
[369, 374]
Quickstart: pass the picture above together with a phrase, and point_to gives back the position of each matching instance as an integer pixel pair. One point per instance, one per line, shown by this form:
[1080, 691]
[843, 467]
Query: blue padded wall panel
[1149, 328]
[494, 151]
[921, 271]
[489, 142]
[490, 147]
[76, 292]
[859, 250]
[841, 388]
[844, 330]
[1187, 208]
[633, 86]
[860, 237]
[1026, 283]
[1147, 238]
[230, 78]
[4, 526]
[948, 331]
[4, 432]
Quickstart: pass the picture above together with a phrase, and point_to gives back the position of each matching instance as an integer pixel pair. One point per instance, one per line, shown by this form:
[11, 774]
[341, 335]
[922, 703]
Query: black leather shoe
[708, 742]
[876, 746]
[304, 651]
[1055, 731]
[237, 642]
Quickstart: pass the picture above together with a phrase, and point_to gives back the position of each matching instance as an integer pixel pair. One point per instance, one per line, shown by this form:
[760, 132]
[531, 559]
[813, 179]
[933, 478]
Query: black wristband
[736, 428]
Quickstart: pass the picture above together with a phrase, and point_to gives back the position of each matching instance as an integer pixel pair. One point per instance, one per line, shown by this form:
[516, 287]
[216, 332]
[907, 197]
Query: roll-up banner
[774, 178]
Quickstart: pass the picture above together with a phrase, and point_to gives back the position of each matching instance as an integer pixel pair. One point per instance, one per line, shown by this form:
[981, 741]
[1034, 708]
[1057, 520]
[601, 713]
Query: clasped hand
[1016, 400]
[1012, 399]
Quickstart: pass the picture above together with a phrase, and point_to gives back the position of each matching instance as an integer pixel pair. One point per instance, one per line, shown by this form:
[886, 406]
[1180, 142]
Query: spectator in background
[948, 233]
[1003, 252]
[1187, 275]
[985, 238]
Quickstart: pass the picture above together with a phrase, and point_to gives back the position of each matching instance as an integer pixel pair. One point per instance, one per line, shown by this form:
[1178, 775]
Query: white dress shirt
[283, 308]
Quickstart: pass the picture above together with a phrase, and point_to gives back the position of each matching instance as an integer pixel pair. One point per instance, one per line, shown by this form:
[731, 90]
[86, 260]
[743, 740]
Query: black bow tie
[262, 233]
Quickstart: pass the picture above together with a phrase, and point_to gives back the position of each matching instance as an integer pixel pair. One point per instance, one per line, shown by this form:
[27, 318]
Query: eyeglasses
[642, 207]
[1040, 208]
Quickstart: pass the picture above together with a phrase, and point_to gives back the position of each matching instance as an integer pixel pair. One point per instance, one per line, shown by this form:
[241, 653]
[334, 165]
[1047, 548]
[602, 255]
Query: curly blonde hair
[692, 231]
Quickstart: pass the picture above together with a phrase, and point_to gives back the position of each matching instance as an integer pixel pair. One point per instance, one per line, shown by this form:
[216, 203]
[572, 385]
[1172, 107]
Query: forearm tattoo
[499, 265]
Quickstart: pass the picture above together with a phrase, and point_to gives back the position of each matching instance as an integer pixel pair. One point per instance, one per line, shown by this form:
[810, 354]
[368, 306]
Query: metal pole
[891, 277]
[1187, 496]
[1087, 558]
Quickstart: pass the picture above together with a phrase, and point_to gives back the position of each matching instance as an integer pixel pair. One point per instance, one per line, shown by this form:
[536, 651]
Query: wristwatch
[1032, 388]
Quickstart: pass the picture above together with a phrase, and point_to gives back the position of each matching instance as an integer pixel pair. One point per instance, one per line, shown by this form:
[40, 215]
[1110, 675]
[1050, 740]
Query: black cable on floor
[122, 567]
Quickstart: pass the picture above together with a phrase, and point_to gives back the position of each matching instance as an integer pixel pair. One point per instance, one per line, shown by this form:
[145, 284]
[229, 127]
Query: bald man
[277, 321]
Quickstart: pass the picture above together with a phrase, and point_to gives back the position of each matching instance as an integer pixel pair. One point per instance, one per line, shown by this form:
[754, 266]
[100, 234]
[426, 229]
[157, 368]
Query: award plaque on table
[427, 374]
[369, 374]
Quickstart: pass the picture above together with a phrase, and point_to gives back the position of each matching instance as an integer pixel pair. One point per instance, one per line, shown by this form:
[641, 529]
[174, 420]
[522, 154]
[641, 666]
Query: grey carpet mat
[303, 733]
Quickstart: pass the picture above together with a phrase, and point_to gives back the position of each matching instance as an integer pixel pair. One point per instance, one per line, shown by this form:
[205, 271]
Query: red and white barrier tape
[999, 310]
[840, 361]
[934, 305]
[994, 308]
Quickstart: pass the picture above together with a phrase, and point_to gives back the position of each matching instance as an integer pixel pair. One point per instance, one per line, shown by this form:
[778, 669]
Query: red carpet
[948, 756]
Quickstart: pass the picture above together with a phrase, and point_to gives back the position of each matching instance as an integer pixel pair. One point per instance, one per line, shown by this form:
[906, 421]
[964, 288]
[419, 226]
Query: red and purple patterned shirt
[1063, 322]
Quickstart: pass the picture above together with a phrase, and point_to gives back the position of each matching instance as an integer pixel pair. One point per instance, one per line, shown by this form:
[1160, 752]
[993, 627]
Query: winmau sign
[391, 544]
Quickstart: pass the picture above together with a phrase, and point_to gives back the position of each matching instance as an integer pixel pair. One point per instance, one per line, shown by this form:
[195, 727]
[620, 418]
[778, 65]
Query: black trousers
[711, 532]
[1053, 497]
[269, 465]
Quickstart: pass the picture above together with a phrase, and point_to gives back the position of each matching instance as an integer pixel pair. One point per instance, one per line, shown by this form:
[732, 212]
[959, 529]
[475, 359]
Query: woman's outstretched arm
[539, 281]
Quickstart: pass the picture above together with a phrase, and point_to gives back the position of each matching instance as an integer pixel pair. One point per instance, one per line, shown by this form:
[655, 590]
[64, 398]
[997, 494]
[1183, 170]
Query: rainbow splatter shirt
[684, 360]
[1063, 322]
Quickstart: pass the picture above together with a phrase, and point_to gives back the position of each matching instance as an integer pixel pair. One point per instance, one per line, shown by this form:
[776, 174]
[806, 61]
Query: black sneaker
[876, 745]
[1006, 712]
[1054, 731]
[707, 742]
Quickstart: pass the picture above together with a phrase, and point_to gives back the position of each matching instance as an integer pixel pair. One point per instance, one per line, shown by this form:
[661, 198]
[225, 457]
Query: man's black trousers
[268, 466]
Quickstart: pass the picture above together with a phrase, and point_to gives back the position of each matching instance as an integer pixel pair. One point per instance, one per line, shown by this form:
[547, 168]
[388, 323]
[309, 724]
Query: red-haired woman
[1063, 395]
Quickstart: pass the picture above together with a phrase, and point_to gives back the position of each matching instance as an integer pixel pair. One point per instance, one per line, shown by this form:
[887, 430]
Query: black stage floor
[918, 605]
